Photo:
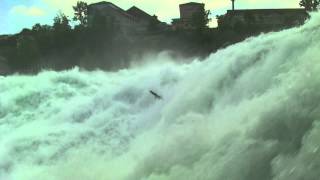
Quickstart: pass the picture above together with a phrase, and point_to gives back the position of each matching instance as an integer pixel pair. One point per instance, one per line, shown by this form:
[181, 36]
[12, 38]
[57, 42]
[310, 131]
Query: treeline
[60, 46]
[100, 45]
[103, 45]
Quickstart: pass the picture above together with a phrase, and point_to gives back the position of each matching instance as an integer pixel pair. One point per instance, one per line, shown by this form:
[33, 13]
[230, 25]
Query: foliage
[61, 23]
[200, 20]
[103, 45]
[81, 13]
[38, 28]
[43, 34]
[221, 22]
[62, 31]
[310, 5]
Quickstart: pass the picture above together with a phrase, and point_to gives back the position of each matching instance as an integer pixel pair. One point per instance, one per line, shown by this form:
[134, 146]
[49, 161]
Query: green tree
[221, 20]
[63, 36]
[200, 20]
[61, 23]
[310, 5]
[315, 4]
[38, 28]
[81, 13]
[44, 37]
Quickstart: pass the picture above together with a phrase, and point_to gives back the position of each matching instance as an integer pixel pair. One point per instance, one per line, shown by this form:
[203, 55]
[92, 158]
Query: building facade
[187, 13]
[134, 20]
[262, 19]
[141, 16]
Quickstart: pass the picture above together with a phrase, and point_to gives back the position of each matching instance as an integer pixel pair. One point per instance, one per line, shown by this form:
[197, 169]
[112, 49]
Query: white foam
[248, 112]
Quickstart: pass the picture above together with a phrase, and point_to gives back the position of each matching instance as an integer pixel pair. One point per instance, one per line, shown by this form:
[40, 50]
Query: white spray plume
[248, 112]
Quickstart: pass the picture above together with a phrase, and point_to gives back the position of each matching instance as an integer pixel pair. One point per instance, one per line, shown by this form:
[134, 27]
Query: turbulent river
[248, 112]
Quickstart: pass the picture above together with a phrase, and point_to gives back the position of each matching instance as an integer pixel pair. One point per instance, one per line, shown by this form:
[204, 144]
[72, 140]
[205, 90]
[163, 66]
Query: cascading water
[248, 112]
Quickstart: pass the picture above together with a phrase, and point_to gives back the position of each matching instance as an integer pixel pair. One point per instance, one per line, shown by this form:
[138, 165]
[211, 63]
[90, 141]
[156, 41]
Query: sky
[18, 14]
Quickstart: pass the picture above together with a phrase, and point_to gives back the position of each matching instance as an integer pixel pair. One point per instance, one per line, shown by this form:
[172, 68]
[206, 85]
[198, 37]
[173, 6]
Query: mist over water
[248, 112]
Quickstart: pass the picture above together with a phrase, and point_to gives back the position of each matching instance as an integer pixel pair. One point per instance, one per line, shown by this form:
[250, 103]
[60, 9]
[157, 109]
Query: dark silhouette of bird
[155, 95]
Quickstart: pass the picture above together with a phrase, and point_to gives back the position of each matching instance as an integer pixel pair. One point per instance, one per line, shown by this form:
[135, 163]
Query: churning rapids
[248, 112]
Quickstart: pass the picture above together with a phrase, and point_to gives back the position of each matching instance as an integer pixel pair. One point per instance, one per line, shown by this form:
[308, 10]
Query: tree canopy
[81, 13]
[61, 22]
[310, 5]
[200, 20]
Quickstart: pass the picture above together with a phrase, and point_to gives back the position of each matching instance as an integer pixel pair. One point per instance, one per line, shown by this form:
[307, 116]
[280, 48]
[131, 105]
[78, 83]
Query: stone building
[262, 19]
[134, 20]
[187, 12]
[141, 16]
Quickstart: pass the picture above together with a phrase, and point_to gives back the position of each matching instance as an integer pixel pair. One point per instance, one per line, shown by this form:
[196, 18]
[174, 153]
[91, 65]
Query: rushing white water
[249, 112]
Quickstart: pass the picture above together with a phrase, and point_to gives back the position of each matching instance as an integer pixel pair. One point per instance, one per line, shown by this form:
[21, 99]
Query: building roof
[101, 3]
[293, 10]
[113, 6]
[192, 4]
[140, 14]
